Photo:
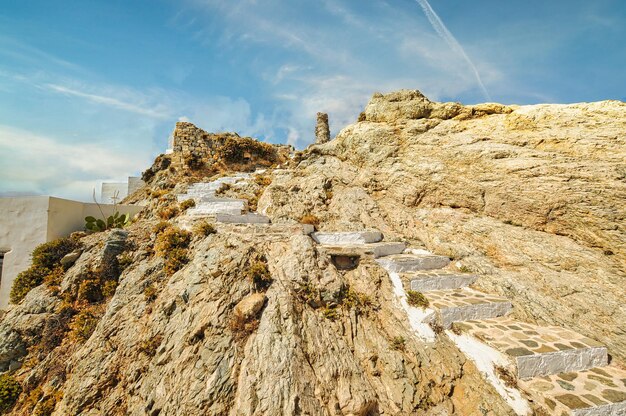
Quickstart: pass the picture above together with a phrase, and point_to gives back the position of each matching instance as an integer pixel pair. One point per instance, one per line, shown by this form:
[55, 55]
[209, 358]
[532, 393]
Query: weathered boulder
[250, 306]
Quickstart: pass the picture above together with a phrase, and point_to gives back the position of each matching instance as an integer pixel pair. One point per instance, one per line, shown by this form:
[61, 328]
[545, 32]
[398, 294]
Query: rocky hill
[204, 306]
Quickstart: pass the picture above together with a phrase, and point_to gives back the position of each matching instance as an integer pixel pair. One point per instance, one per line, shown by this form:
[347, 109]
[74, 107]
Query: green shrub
[45, 259]
[10, 390]
[416, 299]
[204, 229]
[49, 254]
[116, 220]
[26, 281]
[330, 314]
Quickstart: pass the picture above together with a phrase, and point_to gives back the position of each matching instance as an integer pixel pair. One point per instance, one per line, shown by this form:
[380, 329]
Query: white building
[26, 222]
[114, 192]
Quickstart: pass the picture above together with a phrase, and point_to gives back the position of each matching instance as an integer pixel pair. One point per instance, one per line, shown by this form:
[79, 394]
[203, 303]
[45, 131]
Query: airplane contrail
[442, 31]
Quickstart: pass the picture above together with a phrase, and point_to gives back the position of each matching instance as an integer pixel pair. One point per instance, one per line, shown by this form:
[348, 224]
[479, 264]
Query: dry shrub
[241, 327]
[235, 150]
[150, 293]
[310, 219]
[225, 187]
[398, 343]
[45, 259]
[204, 229]
[262, 180]
[258, 273]
[158, 193]
[150, 346]
[172, 245]
[169, 212]
[506, 376]
[171, 238]
[186, 204]
[84, 324]
[161, 226]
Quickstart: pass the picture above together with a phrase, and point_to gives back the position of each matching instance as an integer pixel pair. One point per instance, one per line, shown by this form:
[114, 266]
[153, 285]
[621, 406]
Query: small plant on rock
[330, 313]
[258, 273]
[83, 325]
[465, 269]
[416, 299]
[150, 293]
[10, 390]
[150, 346]
[398, 343]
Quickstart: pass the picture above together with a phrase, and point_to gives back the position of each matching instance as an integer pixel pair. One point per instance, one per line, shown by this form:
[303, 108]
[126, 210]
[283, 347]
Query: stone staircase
[224, 210]
[559, 370]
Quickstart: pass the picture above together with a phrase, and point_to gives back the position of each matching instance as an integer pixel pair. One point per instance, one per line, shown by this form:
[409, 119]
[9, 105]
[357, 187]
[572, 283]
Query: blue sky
[90, 90]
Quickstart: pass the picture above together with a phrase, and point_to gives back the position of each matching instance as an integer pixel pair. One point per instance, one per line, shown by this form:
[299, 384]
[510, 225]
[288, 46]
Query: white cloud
[42, 164]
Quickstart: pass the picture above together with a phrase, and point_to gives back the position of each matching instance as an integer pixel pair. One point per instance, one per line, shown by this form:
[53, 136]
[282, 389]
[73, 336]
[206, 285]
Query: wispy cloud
[108, 101]
[443, 31]
[324, 66]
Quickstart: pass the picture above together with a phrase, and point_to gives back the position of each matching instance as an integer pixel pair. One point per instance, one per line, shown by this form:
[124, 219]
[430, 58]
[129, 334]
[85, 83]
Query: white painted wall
[27, 222]
[109, 189]
[23, 226]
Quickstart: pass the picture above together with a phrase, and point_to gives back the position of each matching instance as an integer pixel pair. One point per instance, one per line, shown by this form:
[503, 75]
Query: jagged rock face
[532, 196]
[297, 361]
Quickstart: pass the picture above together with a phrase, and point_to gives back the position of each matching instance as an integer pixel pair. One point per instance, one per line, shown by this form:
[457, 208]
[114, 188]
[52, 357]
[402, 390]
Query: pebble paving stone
[597, 391]
[522, 339]
[427, 280]
[462, 304]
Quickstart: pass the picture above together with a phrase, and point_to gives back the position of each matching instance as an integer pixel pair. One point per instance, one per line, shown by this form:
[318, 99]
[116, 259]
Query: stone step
[374, 250]
[538, 350]
[203, 198]
[347, 237]
[466, 304]
[233, 206]
[242, 219]
[403, 263]
[427, 280]
[593, 392]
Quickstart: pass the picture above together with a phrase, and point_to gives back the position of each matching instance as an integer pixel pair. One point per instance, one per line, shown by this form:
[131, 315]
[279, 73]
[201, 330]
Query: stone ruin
[193, 147]
[322, 131]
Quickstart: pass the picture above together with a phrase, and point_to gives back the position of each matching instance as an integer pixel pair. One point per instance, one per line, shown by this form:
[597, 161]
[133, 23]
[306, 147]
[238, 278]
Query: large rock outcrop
[530, 195]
